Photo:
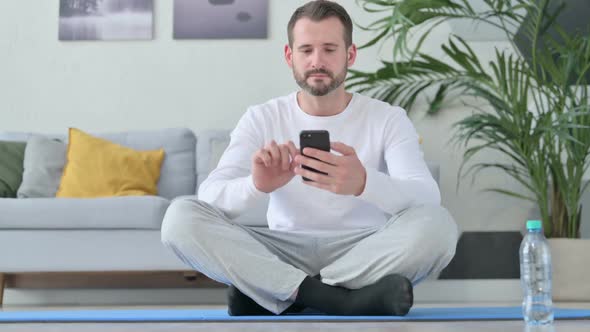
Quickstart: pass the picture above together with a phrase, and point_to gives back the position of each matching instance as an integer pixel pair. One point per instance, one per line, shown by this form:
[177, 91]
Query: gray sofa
[102, 234]
[111, 234]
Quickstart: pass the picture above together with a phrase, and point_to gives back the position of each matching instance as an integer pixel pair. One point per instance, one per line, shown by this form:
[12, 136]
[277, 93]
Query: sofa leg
[2, 283]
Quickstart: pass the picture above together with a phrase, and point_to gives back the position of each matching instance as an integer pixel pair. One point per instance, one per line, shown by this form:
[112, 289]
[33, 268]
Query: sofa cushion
[99, 168]
[126, 212]
[178, 174]
[11, 167]
[43, 165]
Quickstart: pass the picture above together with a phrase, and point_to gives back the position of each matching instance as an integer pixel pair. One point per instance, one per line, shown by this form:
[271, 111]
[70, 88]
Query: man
[350, 242]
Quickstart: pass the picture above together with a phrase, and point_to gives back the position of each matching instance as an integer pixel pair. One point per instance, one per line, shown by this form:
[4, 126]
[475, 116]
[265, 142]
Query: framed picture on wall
[106, 19]
[220, 19]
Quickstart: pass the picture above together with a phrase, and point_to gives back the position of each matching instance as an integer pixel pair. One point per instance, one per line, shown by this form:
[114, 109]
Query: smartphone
[317, 139]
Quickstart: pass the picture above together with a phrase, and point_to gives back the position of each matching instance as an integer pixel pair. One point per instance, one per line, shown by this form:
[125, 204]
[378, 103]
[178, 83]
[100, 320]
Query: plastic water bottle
[535, 276]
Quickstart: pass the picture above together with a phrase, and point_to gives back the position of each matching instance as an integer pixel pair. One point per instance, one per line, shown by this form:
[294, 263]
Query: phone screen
[318, 139]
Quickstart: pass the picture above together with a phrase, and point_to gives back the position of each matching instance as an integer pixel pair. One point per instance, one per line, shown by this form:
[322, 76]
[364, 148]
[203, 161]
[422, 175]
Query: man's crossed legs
[344, 272]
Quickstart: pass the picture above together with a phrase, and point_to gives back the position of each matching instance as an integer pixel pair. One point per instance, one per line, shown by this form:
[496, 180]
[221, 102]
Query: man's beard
[321, 89]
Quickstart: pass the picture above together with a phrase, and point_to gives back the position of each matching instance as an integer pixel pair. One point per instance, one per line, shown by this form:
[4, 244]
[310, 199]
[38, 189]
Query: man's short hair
[318, 10]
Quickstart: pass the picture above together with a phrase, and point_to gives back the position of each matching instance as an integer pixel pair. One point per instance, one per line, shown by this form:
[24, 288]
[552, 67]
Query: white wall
[47, 85]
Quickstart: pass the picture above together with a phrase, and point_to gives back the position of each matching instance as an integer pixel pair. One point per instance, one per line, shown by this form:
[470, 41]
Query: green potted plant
[538, 116]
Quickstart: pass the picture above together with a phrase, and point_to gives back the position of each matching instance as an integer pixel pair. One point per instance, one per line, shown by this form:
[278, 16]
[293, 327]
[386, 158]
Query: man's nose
[317, 60]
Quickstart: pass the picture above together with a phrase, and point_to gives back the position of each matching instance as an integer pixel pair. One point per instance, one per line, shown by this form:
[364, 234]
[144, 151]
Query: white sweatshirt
[384, 139]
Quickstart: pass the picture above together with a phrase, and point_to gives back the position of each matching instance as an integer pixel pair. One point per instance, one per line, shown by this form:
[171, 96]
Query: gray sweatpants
[268, 265]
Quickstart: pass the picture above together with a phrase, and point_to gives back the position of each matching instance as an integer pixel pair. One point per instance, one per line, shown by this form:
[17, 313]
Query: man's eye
[330, 50]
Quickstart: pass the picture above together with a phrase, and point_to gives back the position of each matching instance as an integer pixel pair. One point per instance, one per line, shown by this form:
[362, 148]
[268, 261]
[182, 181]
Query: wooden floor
[510, 326]
[479, 326]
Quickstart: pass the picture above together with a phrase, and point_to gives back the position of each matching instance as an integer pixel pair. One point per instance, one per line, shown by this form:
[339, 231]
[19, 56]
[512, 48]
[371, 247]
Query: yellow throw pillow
[96, 167]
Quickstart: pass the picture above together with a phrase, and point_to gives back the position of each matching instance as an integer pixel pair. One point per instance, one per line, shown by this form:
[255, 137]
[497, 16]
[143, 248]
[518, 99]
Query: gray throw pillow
[44, 162]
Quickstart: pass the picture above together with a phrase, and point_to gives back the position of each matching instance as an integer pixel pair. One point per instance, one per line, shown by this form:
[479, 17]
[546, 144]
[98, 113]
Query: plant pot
[571, 269]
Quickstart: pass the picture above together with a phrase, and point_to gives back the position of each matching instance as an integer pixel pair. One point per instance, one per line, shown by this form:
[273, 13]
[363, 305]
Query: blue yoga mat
[172, 315]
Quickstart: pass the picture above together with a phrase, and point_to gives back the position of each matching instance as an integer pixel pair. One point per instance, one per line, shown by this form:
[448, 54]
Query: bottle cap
[534, 224]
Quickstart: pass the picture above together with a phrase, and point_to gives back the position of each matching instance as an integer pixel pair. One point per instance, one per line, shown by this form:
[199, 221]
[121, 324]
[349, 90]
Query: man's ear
[289, 55]
[351, 54]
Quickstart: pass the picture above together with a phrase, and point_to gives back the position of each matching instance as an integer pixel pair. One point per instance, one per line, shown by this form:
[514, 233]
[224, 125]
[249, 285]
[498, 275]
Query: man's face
[319, 57]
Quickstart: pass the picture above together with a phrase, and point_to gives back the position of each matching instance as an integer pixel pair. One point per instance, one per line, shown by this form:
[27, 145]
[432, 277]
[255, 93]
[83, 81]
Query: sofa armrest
[210, 146]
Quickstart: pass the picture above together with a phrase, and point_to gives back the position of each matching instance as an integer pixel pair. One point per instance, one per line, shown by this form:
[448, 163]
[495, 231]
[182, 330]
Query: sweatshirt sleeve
[229, 186]
[409, 181]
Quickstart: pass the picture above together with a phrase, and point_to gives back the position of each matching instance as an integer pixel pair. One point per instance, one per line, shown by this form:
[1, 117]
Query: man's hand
[346, 175]
[273, 166]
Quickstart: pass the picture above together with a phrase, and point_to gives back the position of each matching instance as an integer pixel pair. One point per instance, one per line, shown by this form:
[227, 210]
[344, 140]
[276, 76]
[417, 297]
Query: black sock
[392, 295]
[239, 304]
